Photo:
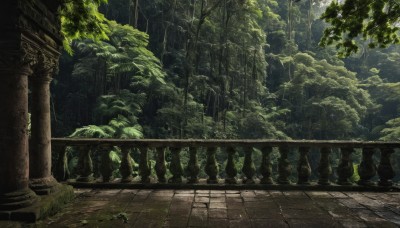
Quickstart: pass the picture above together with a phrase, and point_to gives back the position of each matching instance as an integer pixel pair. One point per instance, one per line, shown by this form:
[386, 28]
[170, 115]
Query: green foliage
[80, 19]
[392, 130]
[93, 131]
[325, 100]
[375, 20]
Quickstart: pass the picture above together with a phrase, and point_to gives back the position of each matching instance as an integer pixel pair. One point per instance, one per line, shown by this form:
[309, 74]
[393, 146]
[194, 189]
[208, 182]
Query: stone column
[41, 179]
[14, 161]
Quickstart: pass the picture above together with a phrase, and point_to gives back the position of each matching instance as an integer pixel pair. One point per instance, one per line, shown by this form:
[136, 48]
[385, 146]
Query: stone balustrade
[371, 174]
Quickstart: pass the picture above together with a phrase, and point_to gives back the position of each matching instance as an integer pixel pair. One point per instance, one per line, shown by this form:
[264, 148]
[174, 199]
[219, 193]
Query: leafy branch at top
[80, 19]
[377, 21]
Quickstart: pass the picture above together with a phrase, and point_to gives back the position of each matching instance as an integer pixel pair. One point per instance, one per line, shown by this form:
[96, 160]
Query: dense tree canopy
[376, 21]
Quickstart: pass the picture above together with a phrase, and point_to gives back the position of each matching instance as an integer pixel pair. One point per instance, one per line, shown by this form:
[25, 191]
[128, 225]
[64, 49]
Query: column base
[43, 186]
[44, 206]
[18, 199]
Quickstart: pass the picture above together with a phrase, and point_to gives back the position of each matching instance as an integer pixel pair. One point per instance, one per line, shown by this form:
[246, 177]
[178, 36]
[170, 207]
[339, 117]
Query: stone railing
[368, 171]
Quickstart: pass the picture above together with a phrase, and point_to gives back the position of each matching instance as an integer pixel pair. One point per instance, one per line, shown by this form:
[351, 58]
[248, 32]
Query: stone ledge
[202, 185]
[47, 205]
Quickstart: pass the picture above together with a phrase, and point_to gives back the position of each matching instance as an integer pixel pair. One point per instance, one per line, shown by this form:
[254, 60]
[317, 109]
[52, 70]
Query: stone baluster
[160, 167]
[14, 162]
[230, 169]
[106, 166]
[62, 171]
[248, 169]
[385, 169]
[125, 168]
[303, 167]
[284, 167]
[85, 164]
[324, 167]
[265, 167]
[193, 167]
[175, 166]
[345, 168]
[144, 165]
[211, 167]
[367, 167]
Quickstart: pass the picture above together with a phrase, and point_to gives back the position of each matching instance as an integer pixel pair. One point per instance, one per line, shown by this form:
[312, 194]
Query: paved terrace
[230, 208]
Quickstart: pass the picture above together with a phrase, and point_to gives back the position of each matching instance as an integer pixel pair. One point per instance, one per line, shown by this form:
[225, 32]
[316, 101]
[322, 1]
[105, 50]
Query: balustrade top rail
[223, 143]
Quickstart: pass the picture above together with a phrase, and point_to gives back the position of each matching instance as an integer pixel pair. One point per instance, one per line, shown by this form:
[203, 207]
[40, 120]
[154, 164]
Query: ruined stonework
[29, 50]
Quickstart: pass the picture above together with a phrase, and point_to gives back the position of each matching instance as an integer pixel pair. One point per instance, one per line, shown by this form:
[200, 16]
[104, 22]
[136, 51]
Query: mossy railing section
[186, 175]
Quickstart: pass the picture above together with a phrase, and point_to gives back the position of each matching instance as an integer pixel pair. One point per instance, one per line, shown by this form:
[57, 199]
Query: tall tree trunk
[309, 23]
[134, 13]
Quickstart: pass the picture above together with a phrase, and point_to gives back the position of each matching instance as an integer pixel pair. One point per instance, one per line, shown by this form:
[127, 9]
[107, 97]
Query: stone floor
[216, 208]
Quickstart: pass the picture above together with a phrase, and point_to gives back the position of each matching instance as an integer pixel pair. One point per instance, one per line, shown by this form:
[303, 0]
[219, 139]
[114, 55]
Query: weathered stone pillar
[14, 162]
[41, 179]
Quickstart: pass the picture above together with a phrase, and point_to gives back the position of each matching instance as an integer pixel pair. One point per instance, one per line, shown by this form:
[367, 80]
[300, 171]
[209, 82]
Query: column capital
[46, 67]
[20, 61]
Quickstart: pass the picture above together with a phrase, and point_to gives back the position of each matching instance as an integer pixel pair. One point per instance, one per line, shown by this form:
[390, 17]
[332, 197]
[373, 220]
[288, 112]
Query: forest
[225, 69]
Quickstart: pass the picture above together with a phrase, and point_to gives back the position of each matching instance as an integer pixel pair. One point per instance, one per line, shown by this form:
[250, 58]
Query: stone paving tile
[390, 216]
[275, 194]
[234, 205]
[233, 195]
[176, 211]
[233, 200]
[217, 195]
[352, 224]
[317, 222]
[232, 192]
[295, 194]
[218, 213]
[351, 203]
[237, 214]
[198, 217]
[393, 207]
[176, 222]
[202, 195]
[248, 193]
[221, 199]
[383, 224]
[261, 204]
[261, 192]
[338, 195]
[368, 216]
[183, 194]
[314, 194]
[127, 193]
[201, 199]
[218, 205]
[184, 191]
[233, 208]
[240, 223]
[255, 213]
[148, 222]
[177, 198]
[272, 223]
[250, 199]
[305, 214]
[217, 191]
[295, 204]
[218, 223]
[200, 205]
